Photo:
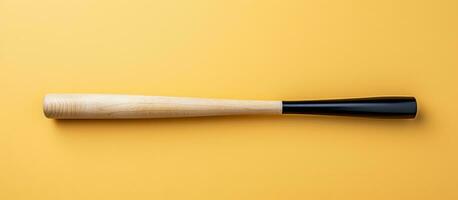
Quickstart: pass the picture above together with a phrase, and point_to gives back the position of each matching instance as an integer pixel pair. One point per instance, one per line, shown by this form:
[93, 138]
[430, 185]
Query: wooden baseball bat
[108, 106]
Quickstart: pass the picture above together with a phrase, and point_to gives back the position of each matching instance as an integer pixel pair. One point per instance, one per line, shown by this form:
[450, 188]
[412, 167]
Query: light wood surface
[105, 106]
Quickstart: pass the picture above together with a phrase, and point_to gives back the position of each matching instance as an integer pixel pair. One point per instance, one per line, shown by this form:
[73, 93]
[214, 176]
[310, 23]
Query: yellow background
[244, 49]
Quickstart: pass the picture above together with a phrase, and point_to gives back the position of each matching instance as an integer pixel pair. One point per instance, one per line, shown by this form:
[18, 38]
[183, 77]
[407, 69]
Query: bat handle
[377, 107]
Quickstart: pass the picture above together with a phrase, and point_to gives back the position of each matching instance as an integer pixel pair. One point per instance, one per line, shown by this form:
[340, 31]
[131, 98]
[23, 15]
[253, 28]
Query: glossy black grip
[378, 107]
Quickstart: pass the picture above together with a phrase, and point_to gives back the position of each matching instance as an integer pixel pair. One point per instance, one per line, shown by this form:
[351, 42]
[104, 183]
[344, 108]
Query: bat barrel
[106, 106]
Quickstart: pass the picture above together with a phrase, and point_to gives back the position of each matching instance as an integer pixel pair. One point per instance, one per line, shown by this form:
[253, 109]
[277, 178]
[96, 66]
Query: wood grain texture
[106, 106]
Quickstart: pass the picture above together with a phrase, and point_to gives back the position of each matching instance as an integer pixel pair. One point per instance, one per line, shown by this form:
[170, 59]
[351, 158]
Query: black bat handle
[377, 107]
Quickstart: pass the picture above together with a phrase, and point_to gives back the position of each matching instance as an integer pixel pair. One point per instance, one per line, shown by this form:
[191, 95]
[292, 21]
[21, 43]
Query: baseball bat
[110, 106]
